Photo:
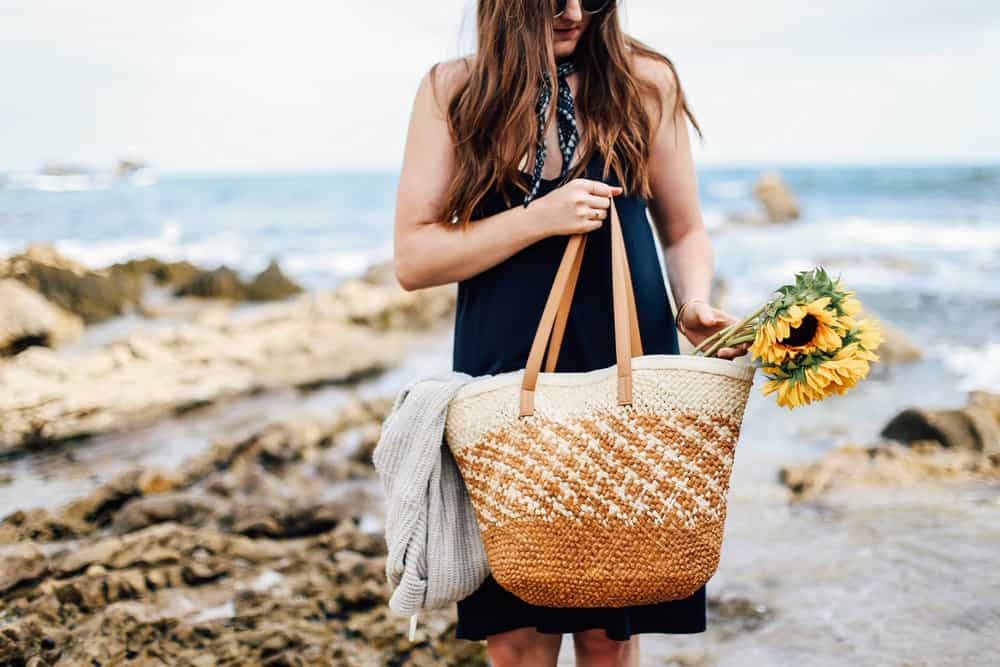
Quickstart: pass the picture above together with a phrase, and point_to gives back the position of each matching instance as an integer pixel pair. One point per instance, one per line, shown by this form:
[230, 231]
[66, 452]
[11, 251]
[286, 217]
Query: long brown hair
[491, 115]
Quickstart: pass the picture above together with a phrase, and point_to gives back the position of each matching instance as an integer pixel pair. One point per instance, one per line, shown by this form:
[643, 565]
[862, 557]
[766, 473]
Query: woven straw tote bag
[606, 487]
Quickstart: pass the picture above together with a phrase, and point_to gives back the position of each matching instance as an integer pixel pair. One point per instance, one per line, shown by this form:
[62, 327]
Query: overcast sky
[242, 85]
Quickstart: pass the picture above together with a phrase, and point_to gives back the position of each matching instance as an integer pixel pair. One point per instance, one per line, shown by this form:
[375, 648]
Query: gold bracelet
[680, 313]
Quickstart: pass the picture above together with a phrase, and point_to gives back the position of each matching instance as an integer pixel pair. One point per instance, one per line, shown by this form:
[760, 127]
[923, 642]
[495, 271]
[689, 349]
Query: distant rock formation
[271, 284]
[777, 198]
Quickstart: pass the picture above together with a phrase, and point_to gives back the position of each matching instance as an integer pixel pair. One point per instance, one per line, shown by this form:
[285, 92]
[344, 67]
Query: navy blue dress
[497, 314]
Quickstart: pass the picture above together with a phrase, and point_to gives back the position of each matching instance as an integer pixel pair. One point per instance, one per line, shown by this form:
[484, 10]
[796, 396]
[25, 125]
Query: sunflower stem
[738, 328]
[720, 338]
[714, 337]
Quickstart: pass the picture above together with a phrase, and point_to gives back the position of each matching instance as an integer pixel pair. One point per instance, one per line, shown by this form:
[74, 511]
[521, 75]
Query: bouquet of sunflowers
[808, 341]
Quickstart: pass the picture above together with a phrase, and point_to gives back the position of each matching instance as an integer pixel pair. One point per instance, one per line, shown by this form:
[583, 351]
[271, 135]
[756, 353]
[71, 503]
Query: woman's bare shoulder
[444, 78]
[656, 70]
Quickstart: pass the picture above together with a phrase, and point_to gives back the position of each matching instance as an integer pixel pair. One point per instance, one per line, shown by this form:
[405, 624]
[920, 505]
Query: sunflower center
[803, 333]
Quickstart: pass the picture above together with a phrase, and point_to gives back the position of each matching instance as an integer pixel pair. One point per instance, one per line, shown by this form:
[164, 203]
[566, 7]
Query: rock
[924, 444]
[972, 428]
[220, 283]
[92, 295]
[271, 284]
[381, 273]
[156, 480]
[896, 347]
[886, 464]
[175, 273]
[45, 253]
[777, 198]
[157, 591]
[736, 615]
[151, 373]
[187, 509]
[25, 564]
[392, 308]
[164, 273]
[986, 401]
[27, 318]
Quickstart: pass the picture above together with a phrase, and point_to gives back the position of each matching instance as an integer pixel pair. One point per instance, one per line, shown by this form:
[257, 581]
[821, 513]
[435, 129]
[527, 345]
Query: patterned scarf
[565, 124]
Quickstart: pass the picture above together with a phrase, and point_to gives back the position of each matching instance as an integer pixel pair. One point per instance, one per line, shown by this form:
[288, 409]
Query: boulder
[93, 295]
[973, 428]
[27, 318]
[220, 283]
[271, 284]
[922, 445]
[777, 198]
[25, 564]
[164, 273]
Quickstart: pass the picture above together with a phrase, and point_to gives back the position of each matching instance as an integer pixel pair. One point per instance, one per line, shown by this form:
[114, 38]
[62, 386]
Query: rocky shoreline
[266, 548]
[303, 340]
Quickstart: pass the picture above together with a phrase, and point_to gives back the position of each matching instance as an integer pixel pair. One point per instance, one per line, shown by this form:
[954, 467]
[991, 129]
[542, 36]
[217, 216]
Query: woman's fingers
[593, 201]
[705, 314]
[733, 351]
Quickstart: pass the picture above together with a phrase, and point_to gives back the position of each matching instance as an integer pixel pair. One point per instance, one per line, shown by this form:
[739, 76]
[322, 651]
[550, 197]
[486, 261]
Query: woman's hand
[577, 207]
[700, 320]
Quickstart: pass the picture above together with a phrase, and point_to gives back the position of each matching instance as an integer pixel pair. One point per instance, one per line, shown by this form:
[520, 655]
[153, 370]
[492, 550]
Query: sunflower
[813, 377]
[799, 329]
[808, 339]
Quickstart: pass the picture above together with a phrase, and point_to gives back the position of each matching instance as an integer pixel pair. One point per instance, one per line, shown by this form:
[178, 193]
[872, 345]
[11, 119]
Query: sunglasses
[588, 6]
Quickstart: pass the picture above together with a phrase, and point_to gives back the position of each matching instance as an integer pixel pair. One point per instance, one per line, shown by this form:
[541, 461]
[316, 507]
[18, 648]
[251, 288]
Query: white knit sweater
[436, 553]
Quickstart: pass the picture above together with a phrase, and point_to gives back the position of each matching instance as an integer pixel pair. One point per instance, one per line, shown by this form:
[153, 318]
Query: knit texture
[435, 552]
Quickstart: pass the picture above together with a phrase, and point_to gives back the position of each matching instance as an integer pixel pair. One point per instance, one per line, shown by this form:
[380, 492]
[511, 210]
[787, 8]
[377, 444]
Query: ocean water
[920, 244]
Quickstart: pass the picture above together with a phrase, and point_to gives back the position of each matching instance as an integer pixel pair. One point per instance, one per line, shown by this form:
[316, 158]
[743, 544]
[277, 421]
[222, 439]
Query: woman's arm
[676, 213]
[430, 252]
[674, 206]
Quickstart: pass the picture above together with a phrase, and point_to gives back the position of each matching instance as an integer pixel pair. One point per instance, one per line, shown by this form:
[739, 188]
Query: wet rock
[887, 464]
[185, 508]
[736, 615]
[159, 592]
[972, 428]
[777, 198]
[44, 398]
[94, 296]
[27, 318]
[156, 480]
[40, 525]
[219, 283]
[25, 564]
[265, 518]
[271, 284]
[923, 445]
[391, 308]
[164, 273]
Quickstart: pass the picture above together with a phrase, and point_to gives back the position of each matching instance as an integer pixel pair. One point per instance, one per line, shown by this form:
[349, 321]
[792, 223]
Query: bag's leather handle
[555, 343]
[628, 342]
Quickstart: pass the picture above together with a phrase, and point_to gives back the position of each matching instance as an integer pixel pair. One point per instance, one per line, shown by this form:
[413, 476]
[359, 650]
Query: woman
[476, 154]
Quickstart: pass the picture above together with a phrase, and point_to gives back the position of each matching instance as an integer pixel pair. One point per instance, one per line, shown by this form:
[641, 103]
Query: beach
[187, 419]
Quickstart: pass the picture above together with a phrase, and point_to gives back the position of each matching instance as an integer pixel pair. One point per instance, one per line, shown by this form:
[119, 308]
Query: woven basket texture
[587, 503]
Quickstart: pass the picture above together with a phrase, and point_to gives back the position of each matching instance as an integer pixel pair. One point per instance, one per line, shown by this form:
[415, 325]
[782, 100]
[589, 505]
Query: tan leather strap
[562, 315]
[620, 301]
[555, 344]
[628, 342]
